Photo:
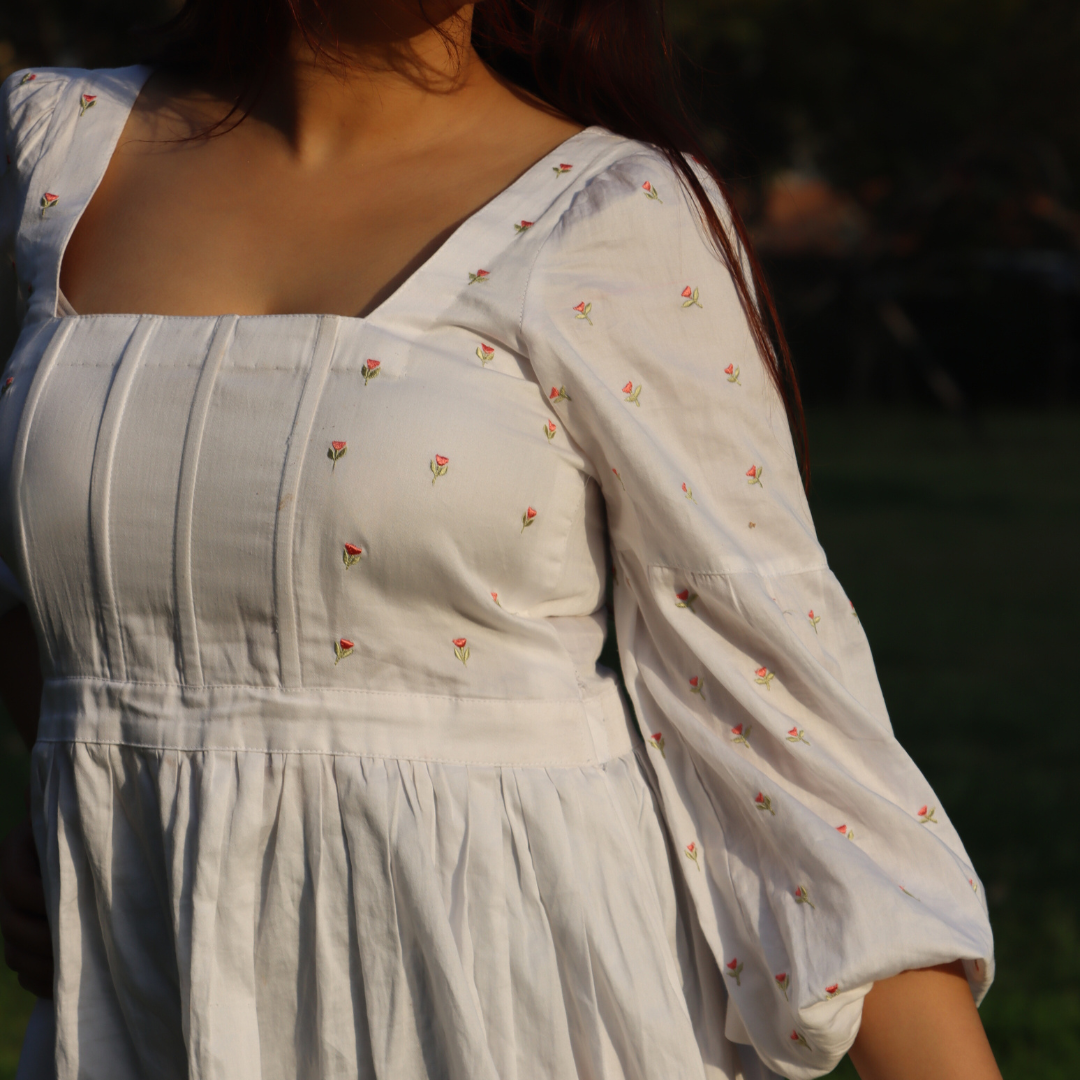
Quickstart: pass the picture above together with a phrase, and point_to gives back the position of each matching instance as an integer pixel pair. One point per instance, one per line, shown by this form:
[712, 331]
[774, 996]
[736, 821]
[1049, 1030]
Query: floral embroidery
[523, 227]
[802, 896]
[336, 452]
[741, 733]
[832, 991]
[754, 472]
[495, 597]
[439, 467]
[559, 395]
[689, 493]
[342, 648]
[583, 310]
[351, 554]
[549, 430]
[485, 352]
[783, 982]
[853, 611]
[926, 817]
[461, 649]
[561, 169]
[814, 619]
[763, 802]
[692, 853]
[657, 740]
[797, 1038]
[9, 382]
[632, 394]
[732, 373]
[86, 101]
[527, 518]
[370, 370]
[697, 686]
[28, 77]
[619, 478]
[796, 735]
[685, 599]
[843, 830]
[651, 192]
[906, 893]
[48, 201]
[734, 970]
[764, 677]
[480, 275]
[690, 297]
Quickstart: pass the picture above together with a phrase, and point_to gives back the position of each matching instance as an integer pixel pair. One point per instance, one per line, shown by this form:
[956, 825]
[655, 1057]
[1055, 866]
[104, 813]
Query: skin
[361, 171]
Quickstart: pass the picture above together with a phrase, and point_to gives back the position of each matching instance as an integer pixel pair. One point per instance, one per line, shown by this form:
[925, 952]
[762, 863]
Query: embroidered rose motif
[370, 369]
[632, 393]
[843, 830]
[558, 395]
[692, 853]
[926, 817]
[783, 982]
[561, 169]
[763, 802]
[690, 297]
[583, 310]
[734, 970]
[814, 619]
[697, 686]
[461, 650]
[764, 677]
[802, 896]
[832, 991]
[351, 554]
[342, 647]
[9, 382]
[86, 101]
[651, 192]
[28, 77]
[732, 373]
[796, 735]
[486, 353]
[480, 275]
[495, 597]
[549, 430]
[657, 740]
[336, 452]
[688, 491]
[523, 226]
[527, 518]
[619, 478]
[974, 889]
[741, 733]
[754, 473]
[685, 599]
[797, 1038]
[439, 467]
[906, 893]
[48, 201]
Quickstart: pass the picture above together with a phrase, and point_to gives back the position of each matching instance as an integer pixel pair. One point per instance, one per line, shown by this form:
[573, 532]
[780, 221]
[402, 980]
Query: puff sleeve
[817, 856]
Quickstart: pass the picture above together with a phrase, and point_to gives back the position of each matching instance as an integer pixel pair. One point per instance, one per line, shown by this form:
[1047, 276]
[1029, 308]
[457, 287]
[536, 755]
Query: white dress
[328, 782]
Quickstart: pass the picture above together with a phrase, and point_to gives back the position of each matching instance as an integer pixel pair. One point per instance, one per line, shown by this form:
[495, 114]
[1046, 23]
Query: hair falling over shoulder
[605, 62]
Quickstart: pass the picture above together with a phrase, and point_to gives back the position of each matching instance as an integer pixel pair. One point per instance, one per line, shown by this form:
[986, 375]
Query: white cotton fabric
[291, 824]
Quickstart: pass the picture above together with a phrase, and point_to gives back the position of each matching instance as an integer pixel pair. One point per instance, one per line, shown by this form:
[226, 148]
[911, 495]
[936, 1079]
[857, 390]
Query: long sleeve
[818, 858]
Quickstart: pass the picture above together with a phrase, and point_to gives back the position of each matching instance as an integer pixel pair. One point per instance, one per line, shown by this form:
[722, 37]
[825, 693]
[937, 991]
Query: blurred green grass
[957, 543]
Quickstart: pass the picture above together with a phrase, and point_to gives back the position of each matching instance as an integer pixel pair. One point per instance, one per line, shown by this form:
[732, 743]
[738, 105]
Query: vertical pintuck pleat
[189, 660]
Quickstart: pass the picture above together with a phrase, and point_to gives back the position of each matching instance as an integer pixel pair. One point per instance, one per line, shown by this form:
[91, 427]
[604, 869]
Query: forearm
[20, 672]
[923, 1025]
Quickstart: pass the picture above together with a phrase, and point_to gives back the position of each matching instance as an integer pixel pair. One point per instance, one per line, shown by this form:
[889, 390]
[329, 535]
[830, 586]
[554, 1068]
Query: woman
[327, 780]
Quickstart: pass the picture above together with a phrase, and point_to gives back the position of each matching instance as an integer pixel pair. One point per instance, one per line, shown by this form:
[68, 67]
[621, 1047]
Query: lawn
[958, 544]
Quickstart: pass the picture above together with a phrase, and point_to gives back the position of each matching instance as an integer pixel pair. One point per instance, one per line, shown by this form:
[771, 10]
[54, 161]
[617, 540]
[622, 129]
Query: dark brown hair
[606, 62]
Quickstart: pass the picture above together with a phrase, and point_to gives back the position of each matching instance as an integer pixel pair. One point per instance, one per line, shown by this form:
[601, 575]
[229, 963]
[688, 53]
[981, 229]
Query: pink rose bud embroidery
[562, 168]
[461, 650]
[48, 201]
[690, 297]
[974, 889]
[764, 677]
[843, 830]
[632, 393]
[814, 619]
[619, 478]
[480, 275]
[755, 473]
[763, 802]
[692, 853]
[583, 310]
[697, 686]
[523, 226]
[796, 735]
[688, 491]
[342, 647]
[336, 452]
[802, 896]
[783, 982]
[734, 970]
[28, 77]
[9, 382]
[926, 817]
[558, 395]
[657, 740]
[351, 554]
[797, 1038]
[495, 597]
[85, 102]
[685, 599]
[651, 192]
[370, 369]
[741, 733]
[832, 991]
[732, 373]
[439, 467]
[549, 430]
[527, 518]
[485, 352]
